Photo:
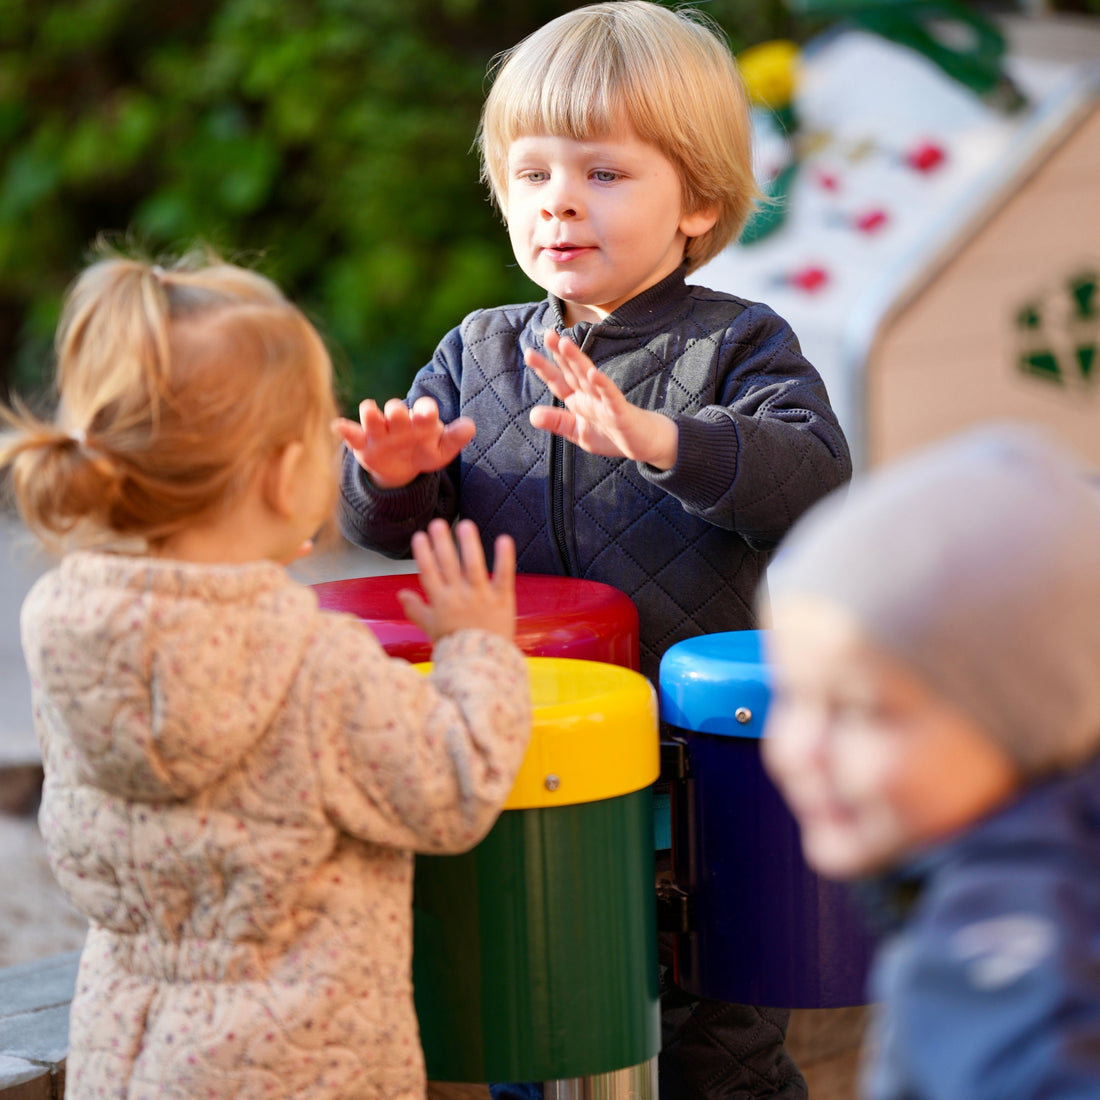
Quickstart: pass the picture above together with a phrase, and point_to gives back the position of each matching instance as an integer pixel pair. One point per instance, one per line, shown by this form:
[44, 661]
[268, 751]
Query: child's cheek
[793, 759]
[780, 751]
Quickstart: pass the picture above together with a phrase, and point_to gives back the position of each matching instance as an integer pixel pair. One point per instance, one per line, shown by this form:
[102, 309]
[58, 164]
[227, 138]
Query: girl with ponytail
[235, 780]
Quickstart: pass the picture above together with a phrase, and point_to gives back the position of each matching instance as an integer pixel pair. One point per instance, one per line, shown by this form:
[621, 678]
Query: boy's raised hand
[461, 593]
[397, 443]
[597, 417]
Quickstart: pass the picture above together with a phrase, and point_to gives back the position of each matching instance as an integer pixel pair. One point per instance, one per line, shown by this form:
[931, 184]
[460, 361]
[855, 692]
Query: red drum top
[555, 617]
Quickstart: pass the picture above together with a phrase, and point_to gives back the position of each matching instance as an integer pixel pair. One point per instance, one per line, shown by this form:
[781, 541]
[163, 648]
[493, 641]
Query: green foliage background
[326, 142]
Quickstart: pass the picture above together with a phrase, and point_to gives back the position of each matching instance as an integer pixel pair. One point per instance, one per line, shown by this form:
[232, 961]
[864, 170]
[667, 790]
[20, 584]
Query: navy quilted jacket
[758, 444]
[989, 989]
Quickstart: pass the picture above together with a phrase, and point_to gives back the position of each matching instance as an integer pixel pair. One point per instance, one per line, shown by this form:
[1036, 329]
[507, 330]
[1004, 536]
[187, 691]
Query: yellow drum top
[594, 734]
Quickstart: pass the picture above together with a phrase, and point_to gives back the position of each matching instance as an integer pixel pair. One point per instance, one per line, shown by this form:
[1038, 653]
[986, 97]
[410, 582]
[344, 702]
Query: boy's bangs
[575, 95]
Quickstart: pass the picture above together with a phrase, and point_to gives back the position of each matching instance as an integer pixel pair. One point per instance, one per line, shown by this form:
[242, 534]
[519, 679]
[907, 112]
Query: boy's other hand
[597, 417]
[397, 443]
[461, 593]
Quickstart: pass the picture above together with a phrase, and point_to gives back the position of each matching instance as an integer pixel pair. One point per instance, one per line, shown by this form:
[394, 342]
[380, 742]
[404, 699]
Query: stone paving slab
[20, 1080]
[34, 1026]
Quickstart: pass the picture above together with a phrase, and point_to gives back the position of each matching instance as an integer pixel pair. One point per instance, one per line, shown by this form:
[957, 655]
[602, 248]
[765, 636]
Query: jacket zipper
[579, 335]
[557, 500]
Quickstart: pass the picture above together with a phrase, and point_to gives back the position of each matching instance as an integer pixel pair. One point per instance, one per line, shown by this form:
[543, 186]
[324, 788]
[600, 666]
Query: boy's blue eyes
[601, 175]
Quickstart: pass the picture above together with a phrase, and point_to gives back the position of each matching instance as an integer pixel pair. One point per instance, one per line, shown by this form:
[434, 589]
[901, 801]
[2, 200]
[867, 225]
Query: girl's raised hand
[397, 443]
[461, 593]
[597, 417]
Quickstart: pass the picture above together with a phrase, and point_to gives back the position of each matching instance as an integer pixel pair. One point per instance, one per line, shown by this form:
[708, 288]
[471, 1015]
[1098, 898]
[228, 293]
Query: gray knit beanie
[976, 562]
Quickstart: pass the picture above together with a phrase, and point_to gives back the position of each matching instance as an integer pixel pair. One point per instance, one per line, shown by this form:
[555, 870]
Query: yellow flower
[770, 72]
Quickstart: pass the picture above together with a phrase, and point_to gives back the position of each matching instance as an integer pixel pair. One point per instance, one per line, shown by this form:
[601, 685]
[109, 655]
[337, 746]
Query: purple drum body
[763, 928]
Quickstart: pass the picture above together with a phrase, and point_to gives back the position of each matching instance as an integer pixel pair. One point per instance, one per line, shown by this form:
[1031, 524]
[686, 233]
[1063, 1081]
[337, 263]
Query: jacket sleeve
[413, 761]
[995, 993]
[769, 445]
[386, 519]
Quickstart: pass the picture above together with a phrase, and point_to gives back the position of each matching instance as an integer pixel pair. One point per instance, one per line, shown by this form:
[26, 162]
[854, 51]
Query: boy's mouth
[565, 251]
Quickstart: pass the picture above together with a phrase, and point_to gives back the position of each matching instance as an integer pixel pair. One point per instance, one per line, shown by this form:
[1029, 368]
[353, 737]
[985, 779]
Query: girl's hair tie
[79, 436]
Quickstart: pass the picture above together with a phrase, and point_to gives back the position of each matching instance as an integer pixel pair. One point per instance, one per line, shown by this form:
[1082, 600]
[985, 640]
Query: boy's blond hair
[668, 74]
[174, 383]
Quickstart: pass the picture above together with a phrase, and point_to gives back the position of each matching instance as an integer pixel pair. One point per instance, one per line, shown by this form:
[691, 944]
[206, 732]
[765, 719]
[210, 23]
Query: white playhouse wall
[937, 255]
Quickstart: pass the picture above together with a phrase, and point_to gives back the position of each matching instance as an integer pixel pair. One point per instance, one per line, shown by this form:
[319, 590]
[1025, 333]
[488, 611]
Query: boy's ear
[278, 478]
[698, 222]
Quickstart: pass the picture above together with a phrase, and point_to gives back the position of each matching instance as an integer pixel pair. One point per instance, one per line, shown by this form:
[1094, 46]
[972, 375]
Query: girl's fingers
[425, 561]
[473, 553]
[448, 566]
[504, 564]
[458, 591]
[416, 610]
[435, 556]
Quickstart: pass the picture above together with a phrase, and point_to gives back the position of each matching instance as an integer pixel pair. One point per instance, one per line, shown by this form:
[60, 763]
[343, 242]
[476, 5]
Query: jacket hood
[153, 678]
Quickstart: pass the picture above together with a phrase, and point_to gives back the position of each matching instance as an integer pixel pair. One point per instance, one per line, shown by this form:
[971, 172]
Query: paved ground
[20, 564]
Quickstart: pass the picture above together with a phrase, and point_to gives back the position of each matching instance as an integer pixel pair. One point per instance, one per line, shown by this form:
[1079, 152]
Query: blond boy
[629, 427]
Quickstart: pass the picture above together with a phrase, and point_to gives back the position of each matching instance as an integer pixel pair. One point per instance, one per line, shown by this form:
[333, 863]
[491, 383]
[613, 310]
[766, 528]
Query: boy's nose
[560, 204]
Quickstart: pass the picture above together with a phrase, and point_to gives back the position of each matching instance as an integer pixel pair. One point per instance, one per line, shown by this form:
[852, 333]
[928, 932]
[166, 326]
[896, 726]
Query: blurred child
[936, 731]
[236, 781]
[631, 428]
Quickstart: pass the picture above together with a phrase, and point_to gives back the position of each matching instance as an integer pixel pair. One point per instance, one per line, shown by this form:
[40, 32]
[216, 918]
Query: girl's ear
[279, 479]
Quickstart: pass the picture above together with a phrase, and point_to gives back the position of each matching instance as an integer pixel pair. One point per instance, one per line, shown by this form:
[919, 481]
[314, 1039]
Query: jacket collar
[651, 311]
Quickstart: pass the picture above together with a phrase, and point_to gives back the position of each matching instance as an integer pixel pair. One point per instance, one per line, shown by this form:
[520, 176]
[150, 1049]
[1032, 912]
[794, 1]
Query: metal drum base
[633, 1083]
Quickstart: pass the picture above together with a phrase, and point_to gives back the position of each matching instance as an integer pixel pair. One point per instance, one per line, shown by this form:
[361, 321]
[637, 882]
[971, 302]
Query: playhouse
[938, 250]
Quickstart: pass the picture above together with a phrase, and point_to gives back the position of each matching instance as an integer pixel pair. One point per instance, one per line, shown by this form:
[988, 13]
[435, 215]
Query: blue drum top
[716, 683]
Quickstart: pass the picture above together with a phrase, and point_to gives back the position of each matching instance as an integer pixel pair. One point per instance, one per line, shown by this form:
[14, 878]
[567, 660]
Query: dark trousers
[712, 1050]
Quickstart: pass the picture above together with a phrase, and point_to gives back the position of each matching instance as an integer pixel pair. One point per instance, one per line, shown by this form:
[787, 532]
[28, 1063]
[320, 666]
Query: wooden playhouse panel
[953, 356]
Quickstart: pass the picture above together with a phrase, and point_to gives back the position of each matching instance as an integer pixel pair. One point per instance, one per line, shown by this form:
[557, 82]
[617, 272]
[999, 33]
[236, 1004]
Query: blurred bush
[326, 142]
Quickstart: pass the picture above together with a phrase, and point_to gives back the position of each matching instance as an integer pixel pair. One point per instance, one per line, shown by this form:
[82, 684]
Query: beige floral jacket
[235, 786]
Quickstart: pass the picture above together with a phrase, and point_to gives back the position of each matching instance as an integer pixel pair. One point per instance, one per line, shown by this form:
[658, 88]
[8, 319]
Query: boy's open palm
[397, 443]
[597, 417]
[461, 593]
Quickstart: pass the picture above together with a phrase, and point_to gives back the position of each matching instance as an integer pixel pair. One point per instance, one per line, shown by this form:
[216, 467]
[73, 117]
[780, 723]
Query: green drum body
[535, 953]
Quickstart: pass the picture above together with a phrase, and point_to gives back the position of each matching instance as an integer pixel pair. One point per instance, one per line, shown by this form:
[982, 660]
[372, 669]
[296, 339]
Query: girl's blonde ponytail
[172, 383]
